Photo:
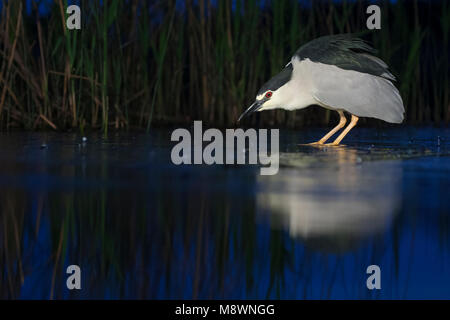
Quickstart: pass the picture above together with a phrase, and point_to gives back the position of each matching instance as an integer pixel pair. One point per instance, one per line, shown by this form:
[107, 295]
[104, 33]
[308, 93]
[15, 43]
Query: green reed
[139, 63]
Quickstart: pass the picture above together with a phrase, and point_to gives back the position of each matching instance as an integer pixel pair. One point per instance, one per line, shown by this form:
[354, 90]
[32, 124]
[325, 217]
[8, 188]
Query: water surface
[141, 227]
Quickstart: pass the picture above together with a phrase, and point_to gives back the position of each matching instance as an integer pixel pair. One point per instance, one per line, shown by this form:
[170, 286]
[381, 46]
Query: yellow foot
[332, 144]
[317, 143]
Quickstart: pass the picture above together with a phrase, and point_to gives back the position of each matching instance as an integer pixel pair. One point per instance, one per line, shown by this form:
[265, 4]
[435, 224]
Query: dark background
[140, 226]
[137, 64]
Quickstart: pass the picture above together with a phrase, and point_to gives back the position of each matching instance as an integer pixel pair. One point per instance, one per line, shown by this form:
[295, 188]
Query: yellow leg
[340, 125]
[346, 130]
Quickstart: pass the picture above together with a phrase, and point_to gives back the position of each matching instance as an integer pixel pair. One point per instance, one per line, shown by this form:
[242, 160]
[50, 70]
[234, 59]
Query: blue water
[140, 227]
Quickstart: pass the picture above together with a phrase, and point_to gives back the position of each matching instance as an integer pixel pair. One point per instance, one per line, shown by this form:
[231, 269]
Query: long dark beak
[254, 107]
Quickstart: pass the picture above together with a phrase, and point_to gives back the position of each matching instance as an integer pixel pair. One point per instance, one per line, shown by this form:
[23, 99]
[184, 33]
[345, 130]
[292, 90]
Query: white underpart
[358, 93]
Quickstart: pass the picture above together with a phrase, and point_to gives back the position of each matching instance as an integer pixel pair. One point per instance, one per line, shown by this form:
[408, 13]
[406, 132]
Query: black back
[346, 52]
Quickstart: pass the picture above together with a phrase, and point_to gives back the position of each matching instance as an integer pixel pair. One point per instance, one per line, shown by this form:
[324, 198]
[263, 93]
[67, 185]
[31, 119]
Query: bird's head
[272, 94]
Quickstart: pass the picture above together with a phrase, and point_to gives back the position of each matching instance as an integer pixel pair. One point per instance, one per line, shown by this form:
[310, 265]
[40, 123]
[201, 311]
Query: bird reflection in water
[333, 203]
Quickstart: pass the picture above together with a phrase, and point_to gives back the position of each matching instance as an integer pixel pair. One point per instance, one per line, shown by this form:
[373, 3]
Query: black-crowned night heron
[336, 72]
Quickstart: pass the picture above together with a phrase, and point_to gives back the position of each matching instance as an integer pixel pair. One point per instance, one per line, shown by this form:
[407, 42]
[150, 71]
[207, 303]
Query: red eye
[268, 94]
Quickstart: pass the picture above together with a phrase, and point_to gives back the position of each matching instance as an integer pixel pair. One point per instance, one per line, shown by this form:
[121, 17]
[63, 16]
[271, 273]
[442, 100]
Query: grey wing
[361, 94]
